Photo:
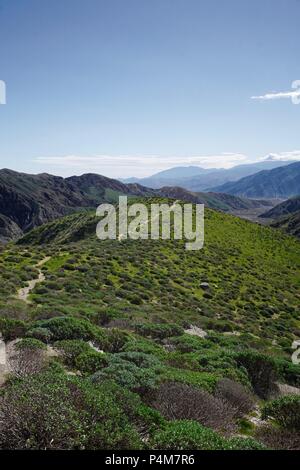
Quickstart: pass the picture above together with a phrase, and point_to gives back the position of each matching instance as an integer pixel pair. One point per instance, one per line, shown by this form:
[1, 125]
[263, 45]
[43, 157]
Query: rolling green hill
[28, 201]
[179, 346]
[252, 272]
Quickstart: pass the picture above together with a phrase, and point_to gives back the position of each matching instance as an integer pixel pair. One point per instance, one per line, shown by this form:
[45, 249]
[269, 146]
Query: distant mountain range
[195, 178]
[218, 201]
[28, 201]
[283, 182]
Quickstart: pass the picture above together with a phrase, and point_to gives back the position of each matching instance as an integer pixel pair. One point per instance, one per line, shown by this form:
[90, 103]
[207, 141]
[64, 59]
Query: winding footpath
[24, 292]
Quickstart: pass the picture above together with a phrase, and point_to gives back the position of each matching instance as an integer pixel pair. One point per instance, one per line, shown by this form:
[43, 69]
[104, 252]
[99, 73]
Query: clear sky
[128, 87]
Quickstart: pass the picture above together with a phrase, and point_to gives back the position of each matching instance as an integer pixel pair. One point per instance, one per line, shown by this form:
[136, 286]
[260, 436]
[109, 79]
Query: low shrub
[158, 330]
[187, 435]
[261, 370]
[235, 394]
[112, 340]
[145, 361]
[285, 411]
[12, 329]
[71, 349]
[187, 343]
[91, 361]
[54, 411]
[69, 328]
[29, 357]
[127, 374]
[180, 401]
[242, 443]
[288, 372]
[30, 343]
[277, 438]
[43, 334]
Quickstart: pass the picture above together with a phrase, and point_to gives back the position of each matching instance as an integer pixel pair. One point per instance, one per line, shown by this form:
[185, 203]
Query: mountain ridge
[281, 182]
[208, 178]
[28, 201]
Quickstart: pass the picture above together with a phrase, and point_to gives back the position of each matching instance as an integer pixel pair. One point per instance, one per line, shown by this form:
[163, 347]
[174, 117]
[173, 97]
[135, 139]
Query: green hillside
[252, 271]
[136, 301]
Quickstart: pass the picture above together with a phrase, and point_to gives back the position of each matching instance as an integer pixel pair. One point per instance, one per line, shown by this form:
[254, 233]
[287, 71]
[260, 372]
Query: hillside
[281, 182]
[229, 242]
[285, 208]
[32, 200]
[219, 201]
[28, 201]
[148, 338]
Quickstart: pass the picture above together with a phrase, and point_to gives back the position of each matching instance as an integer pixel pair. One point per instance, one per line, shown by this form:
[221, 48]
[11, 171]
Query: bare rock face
[196, 331]
[9, 230]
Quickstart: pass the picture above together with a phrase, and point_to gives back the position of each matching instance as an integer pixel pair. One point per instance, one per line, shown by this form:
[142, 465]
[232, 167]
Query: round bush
[187, 435]
[91, 361]
[43, 334]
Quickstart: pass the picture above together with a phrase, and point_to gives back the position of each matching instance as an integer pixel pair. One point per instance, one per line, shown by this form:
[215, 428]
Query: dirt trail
[24, 292]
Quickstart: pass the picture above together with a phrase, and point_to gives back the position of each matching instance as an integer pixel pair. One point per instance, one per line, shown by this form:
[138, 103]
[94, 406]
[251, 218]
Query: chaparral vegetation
[144, 345]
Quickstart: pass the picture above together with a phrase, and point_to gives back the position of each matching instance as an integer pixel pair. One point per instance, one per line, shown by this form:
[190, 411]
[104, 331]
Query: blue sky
[130, 87]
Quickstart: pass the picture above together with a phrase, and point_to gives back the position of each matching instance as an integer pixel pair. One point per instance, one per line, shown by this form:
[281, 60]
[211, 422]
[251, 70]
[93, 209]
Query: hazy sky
[129, 87]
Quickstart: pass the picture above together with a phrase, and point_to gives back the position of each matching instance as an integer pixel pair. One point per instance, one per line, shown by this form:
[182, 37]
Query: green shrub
[188, 343]
[204, 380]
[12, 329]
[54, 411]
[71, 349]
[285, 411]
[288, 372]
[241, 443]
[261, 370]
[30, 343]
[43, 334]
[127, 374]
[187, 435]
[145, 361]
[158, 330]
[144, 345]
[69, 328]
[91, 361]
[111, 340]
[150, 419]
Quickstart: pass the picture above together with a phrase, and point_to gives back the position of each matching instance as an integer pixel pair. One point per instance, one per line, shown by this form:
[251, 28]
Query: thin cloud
[137, 165]
[123, 166]
[293, 95]
[284, 156]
